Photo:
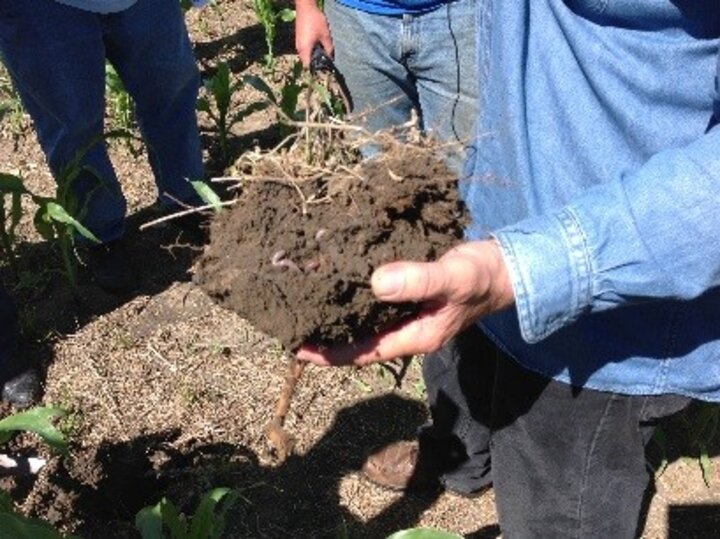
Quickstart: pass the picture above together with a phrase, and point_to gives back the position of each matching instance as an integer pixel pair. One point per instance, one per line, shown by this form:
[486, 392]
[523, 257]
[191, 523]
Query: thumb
[409, 281]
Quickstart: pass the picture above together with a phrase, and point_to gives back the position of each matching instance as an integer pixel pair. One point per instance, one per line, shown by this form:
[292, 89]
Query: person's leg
[569, 462]
[55, 56]
[453, 449]
[149, 46]
[459, 381]
[369, 54]
[446, 68]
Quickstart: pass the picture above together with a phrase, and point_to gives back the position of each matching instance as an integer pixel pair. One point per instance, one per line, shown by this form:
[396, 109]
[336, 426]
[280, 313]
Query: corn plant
[39, 421]
[165, 521]
[287, 100]
[220, 90]
[56, 219]
[269, 16]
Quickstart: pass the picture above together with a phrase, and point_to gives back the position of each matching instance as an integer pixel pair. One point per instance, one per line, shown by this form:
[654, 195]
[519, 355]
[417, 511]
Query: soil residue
[295, 259]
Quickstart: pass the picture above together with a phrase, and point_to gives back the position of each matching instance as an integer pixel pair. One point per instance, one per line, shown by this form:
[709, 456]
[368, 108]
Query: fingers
[410, 281]
[416, 336]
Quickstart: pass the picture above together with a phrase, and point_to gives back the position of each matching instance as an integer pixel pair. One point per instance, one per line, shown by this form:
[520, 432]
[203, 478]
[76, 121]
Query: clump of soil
[295, 258]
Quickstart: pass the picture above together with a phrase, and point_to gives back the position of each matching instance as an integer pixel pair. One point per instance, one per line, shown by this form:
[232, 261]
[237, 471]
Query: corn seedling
[38, 421]
[165, 521]
[220, 89]
[56, 219]
[286, 101]
[269, 16]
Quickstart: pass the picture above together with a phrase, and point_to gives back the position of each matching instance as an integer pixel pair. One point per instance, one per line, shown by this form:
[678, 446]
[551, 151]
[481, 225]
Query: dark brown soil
[296, 259]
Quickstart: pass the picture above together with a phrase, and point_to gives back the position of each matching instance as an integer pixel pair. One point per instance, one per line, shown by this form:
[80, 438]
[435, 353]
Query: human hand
[311, 27]
[467, 283]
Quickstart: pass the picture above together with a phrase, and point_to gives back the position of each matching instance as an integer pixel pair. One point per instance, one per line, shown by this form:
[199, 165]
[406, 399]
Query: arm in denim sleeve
[652, 234]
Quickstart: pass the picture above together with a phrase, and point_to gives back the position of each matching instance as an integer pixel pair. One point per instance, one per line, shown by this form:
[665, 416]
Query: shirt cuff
[549, 265]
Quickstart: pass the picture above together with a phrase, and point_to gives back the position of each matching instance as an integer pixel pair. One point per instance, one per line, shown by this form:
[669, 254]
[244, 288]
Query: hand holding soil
[295, 258]
[468, 282]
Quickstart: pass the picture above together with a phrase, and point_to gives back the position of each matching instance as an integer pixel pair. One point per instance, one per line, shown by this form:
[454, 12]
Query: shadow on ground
[299, 498]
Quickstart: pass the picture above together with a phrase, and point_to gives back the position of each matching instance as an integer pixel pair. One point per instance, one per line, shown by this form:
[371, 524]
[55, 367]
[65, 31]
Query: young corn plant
[269, 15]
[39, 421]
[220, 89]
[286, 101]
[56, 219]
[165, 521]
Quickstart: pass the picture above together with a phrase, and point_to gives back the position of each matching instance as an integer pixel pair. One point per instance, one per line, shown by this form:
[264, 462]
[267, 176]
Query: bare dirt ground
[170, 394]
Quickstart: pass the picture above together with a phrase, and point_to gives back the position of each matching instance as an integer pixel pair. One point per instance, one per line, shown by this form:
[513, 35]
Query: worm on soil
[279, 261]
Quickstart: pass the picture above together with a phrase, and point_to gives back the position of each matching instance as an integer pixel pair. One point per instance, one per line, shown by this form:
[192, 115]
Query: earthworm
[320, 234]
[279, 260]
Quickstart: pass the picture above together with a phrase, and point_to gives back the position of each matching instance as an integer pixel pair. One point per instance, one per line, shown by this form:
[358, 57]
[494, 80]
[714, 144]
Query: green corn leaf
[174, 521]
[262, 86]
[149, 521]
[423, 533]
[206, 193]
[57, 213]
[220, 87]
[323, 93]
[202, 521]
[39, 421]
[203, 105]
[220, 515]
[705, 465]
[247, 111]
[6, 504]
[15, 526]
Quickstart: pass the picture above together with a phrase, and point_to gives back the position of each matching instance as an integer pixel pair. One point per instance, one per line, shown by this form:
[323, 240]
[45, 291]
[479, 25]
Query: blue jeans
[424, 62]
[56, 56]
[563, 461]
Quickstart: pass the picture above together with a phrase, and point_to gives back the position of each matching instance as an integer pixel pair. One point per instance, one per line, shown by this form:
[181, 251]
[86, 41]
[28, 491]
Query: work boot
[23, 389]
[402, 466]
[110, 267]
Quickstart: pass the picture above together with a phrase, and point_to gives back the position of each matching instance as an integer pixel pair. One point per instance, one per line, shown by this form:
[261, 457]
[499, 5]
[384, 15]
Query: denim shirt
[597, 168]
[99, 6]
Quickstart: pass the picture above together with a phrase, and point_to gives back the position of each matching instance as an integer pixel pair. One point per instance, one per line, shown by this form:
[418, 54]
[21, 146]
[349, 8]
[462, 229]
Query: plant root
[280, 441]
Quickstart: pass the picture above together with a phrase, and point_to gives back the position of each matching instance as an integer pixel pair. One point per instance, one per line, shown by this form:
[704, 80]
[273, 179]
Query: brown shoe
[399, 466]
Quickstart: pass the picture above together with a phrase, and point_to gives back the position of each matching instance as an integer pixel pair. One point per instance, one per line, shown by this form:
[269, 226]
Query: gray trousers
[563, 461]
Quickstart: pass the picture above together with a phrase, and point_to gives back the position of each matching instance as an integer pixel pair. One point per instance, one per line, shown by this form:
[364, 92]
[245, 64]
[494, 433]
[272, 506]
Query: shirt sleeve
[647, 235]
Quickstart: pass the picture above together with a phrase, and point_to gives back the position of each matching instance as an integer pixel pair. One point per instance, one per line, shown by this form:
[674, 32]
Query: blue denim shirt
[597, 167]
[99, 6]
